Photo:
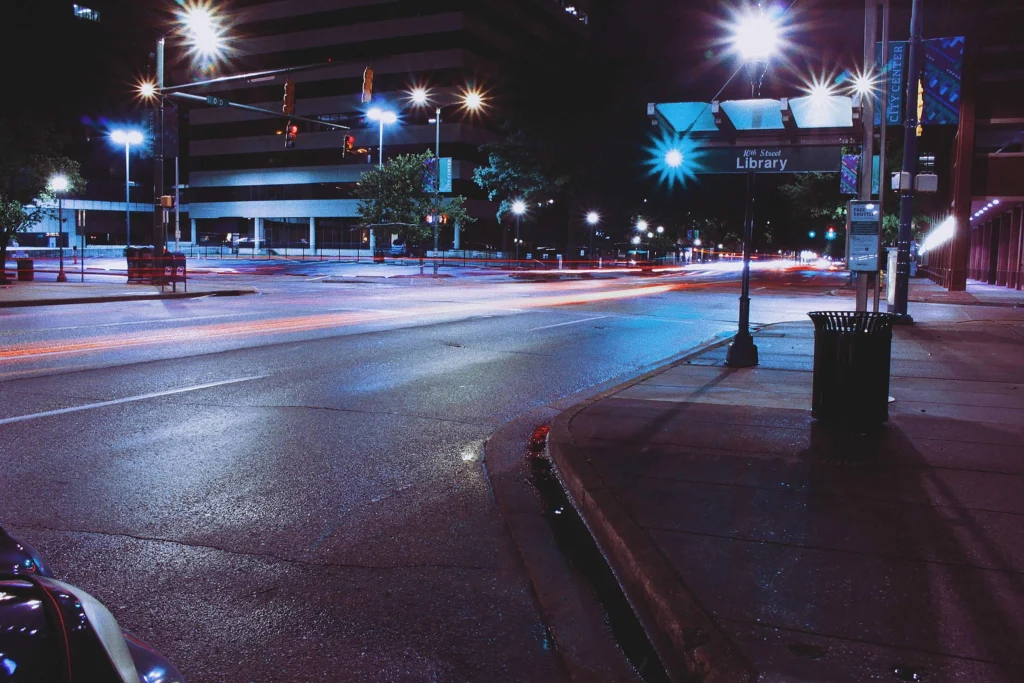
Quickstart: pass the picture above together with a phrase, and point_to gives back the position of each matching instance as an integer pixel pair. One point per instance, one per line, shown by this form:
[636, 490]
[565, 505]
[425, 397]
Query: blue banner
[943, 69]
[848, 174]
[893, 82]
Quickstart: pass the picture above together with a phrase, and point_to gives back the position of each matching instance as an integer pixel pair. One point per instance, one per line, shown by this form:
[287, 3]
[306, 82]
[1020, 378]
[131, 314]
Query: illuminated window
[83, 12]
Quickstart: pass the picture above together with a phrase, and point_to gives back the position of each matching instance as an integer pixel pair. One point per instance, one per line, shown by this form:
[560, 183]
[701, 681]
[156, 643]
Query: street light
[756, 38]
[641, 225]
[593, 218]
[204, 35]
[472, 101]
[382, 116]
[673, 158]
[518, 208]
[59, 185]
[204, 31]
[127, 138]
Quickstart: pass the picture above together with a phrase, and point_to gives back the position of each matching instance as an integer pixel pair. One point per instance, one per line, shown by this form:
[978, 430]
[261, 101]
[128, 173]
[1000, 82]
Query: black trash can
[26, 270]
[852, 352]
[132, 256]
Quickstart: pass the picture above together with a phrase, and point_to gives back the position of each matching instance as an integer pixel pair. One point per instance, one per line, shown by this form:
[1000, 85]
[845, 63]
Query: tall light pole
[518, 208]
[204, 36]
[470, 100]
[59, 185]
[127, 138]
[593, 218]
[755, 37]
[381, 116]
[899, 307]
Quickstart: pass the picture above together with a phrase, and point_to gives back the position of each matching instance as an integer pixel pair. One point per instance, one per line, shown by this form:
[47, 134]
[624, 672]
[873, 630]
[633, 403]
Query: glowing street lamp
[756, 37]
[593, 218]
[673, 158]
[59, 185]
[518, 208]
[127, 138]
[382, 116]
[641, 225]
[205, 35]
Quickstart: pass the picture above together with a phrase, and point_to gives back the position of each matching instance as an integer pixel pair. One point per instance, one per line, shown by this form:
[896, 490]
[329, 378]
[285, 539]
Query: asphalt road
[289, 487]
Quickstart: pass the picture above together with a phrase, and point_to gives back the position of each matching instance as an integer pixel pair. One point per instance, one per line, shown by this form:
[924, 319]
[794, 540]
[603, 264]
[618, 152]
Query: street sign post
[863, 225]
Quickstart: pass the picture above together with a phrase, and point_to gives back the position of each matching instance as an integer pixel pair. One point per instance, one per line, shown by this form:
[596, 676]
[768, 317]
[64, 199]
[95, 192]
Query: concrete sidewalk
[753, 542]
[19, 294]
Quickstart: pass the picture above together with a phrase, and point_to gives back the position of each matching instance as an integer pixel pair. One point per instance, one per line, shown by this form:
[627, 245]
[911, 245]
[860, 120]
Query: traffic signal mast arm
[218, 102]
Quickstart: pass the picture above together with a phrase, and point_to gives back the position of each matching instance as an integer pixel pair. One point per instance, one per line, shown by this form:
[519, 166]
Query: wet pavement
[808, 553]
[289, 486]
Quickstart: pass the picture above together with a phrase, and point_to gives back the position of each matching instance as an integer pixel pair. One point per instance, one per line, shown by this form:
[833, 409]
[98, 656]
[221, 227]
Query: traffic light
[291, 131]
[350, 143]
[288, 105]
[367, 86]
[444, 219]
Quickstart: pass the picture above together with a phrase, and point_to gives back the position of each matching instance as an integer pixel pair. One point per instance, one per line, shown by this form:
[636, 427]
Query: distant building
[243, 180]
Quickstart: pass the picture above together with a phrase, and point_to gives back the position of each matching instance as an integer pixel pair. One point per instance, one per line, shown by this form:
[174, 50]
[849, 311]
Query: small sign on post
[863, 225]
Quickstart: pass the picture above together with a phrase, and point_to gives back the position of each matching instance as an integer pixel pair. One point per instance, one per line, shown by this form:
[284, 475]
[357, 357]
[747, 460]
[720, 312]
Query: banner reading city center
[805, 159]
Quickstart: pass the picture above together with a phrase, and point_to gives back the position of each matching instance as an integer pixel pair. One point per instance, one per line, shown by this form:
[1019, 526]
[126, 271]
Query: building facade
[244, 180]
[987, 240]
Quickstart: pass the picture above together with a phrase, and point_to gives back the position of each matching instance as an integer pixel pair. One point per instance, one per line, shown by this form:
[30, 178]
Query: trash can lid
[856, 322]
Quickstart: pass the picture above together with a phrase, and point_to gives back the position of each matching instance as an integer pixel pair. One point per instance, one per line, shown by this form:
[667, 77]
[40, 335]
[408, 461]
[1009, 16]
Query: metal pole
[867, 156]
[883, 100]
[380, 148]
[902, 293]
[61, 277]
[437, 181]
[127, 197]
[158, 149]
[743, 352]
[177, 204]
[518, 220]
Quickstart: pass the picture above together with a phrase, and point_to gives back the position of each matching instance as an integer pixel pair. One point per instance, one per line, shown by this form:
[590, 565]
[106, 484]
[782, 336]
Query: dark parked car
[51, 631]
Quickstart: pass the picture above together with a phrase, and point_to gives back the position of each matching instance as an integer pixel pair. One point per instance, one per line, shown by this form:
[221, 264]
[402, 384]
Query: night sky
[668, 51]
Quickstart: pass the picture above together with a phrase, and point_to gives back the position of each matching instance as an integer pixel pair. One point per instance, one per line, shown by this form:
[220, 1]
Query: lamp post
[382, 116]
[593, 218]
[755, 38]
[59, 185]
[204, 36]
[127, 138]
[518, 208]
[470, 100]
[902, 288]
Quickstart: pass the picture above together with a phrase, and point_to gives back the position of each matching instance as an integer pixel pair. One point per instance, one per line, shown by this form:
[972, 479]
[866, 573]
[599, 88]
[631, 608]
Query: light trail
[316, 322]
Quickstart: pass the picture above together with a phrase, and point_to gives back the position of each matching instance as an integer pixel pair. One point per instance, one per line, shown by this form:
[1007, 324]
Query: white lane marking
[571, 322]
[130, 322]
[127, 399]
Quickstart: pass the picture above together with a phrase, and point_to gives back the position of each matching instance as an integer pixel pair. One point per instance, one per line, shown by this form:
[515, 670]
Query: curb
[567, 606]
[124, 297]
[687, 640]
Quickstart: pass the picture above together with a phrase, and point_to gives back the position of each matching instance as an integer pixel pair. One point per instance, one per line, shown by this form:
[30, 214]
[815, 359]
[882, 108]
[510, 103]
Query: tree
[29, 157]
[514, 171]
[395, 199]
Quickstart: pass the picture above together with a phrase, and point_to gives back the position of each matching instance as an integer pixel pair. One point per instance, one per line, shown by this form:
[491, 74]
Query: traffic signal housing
[350, 143]
[367, 95]
[288, 104]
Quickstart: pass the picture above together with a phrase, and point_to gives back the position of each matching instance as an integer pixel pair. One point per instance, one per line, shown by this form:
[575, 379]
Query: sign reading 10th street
[864, 222]
[804, 159]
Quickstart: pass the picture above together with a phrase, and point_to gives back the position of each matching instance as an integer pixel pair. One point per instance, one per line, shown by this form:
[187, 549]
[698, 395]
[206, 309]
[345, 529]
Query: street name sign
[770, 159]
[863, 225]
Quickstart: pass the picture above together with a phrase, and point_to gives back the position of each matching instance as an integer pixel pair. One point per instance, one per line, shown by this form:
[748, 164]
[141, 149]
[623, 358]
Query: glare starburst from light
[673, 159]
[203, 30]
[755, 36]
